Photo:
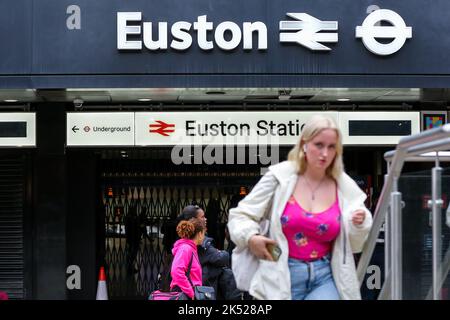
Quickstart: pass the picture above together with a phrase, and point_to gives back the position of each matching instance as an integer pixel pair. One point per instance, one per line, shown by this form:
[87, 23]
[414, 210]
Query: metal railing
[390, 203]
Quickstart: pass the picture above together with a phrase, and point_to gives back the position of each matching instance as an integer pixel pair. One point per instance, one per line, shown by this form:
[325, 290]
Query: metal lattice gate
[141, 199]
[12, 195]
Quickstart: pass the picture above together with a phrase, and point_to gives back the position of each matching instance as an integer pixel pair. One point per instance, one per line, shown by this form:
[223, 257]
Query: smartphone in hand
[275, 251]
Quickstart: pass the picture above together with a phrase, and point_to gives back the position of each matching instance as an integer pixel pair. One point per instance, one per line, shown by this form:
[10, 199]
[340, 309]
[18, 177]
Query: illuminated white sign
[100, 129]
[220, 128]
[231, 128]
[182, 39]
[304, 30]
[18, 129]
[377, 128]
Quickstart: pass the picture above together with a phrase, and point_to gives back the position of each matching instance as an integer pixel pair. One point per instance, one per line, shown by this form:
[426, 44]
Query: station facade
[116, 114]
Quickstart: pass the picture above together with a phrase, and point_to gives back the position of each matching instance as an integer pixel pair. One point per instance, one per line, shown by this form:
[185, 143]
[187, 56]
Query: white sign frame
[112, 135]
[345, 117]
[143, 122]
[30, 139]
[240, 119]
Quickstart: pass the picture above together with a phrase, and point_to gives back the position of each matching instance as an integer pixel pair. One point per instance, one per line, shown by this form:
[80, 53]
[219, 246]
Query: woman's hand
[358, 217]
[258, 246]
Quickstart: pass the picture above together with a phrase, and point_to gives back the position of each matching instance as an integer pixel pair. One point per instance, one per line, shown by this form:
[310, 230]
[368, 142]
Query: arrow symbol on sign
[162, 128]
[75, 129]
[307, 28]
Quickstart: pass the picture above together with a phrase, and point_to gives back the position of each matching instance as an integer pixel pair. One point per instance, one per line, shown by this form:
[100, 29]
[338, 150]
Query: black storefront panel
[379, 128]
[14, 129]
[56, 38]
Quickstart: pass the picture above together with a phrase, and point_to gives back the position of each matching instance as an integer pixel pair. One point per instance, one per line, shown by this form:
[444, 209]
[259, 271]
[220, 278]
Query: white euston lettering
[236, 35]
[159, 44]
[181, 36]
[123, 30]
[202, 27]
[180, 31]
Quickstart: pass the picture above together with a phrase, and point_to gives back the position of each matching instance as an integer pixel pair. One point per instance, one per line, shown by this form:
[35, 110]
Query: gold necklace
[313, 193]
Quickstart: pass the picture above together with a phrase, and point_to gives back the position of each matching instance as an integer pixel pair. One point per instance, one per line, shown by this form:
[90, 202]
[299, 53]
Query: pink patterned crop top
[310, 235]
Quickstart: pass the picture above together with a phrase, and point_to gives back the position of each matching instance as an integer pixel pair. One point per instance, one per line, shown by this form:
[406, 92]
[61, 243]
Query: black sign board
[379, 128]
[13, 129]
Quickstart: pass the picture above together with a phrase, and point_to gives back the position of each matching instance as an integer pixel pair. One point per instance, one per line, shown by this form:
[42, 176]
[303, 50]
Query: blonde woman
[317, 219]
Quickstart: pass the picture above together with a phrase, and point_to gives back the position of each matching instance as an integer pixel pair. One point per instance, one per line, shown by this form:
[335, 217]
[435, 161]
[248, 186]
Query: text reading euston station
[263, 128]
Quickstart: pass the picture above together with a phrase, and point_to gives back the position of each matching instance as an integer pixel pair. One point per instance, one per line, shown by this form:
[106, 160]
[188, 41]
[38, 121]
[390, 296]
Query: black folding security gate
[12, 208]
[142, 193]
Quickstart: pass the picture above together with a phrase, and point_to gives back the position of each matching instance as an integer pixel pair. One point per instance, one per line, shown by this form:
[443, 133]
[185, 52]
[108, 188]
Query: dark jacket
[216, 271]
[212, 260]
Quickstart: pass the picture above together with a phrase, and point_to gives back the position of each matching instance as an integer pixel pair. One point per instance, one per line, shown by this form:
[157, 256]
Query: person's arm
[243, 221]
[179, 269]
[216, 257]
[359, 231]
[354, 208]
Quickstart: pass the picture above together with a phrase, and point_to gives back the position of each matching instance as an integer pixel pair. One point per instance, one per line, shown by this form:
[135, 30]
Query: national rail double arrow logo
[162, 128]
[307, 28]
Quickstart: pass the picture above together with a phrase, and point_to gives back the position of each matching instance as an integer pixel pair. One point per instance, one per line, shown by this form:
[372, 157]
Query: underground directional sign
[100, 129]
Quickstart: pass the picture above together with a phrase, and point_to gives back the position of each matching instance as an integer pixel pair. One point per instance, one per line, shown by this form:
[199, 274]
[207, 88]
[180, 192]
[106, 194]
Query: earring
[304, 148]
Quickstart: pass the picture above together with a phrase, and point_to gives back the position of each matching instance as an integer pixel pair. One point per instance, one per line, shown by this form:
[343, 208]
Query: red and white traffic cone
[102, 290]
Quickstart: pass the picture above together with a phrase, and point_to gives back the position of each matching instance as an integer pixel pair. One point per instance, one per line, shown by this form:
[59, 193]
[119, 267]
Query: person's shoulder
[345, 179]
[283, 170]
[208, 242]
[283, 166]
[183, 244]
[348, 186]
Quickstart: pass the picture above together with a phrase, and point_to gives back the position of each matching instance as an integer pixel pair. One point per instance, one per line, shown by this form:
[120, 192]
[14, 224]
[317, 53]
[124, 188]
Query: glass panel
[417, 237]
[417, 232]
[446, 233]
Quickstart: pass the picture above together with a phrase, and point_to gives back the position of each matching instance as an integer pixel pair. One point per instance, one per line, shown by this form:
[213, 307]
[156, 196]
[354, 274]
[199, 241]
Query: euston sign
[220, 128]
[267, 128]
[182, 39]
[303, 29]
[230, 128]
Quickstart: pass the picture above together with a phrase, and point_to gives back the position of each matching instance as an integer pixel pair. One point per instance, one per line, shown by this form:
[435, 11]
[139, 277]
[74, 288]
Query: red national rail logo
[162, 128]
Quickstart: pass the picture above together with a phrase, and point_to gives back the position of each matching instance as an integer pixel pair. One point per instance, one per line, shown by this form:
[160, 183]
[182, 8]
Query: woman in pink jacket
[184, 252]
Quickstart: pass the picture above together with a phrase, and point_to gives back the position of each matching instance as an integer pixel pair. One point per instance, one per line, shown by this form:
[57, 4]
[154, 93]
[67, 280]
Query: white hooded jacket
[272, 279]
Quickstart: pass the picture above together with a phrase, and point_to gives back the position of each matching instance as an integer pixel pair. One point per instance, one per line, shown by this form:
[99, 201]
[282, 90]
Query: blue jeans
[312, 280]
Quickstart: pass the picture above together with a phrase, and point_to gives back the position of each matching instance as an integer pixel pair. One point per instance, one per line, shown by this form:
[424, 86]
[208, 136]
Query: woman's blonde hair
[312, 128]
